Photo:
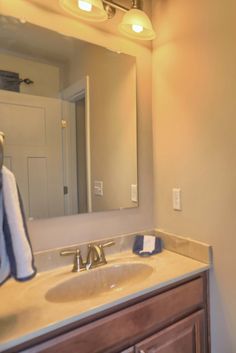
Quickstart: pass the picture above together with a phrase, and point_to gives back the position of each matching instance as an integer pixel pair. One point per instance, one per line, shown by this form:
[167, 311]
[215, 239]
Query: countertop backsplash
[50, 259]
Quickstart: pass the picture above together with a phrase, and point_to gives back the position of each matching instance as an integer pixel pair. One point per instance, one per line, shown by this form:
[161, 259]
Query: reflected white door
[33, 150]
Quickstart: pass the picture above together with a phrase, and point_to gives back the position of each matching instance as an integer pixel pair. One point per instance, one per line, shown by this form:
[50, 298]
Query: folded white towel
[149, 243]
[16, 258]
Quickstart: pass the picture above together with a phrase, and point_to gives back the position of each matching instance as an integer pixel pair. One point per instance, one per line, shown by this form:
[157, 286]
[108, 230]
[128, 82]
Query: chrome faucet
[95, 257]
[78, 264]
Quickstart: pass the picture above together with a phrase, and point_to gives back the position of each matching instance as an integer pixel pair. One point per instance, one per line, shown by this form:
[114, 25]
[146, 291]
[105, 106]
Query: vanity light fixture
[90, 10]
[135, 23]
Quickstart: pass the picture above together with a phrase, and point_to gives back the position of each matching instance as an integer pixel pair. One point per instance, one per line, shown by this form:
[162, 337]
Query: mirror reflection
[68, 112]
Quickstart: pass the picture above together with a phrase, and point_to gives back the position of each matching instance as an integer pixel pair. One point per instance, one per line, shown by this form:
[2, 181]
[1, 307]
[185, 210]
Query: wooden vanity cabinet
[170, 320]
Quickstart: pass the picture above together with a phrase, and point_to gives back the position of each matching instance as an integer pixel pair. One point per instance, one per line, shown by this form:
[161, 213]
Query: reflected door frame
[72, 94]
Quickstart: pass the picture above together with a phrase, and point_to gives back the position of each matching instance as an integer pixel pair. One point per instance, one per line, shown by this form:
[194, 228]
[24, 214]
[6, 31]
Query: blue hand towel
[16, 257]
[146, 245]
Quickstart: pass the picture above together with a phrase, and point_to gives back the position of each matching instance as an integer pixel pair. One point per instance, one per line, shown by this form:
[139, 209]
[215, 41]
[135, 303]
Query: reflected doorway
[81, 163]
[76, 148]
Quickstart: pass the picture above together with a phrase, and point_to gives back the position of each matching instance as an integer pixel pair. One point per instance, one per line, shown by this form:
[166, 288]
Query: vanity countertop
[25, 313]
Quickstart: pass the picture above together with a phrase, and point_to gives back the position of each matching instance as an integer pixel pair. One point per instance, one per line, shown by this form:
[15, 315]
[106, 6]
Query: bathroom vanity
[173, 320]
[160, 305]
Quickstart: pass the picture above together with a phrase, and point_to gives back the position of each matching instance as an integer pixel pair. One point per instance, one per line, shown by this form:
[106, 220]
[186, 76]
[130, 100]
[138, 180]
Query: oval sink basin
[98, 281]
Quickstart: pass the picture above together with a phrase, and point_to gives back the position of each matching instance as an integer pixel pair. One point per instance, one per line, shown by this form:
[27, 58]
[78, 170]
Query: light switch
[134, 193]
[176, 199]
[98, 188]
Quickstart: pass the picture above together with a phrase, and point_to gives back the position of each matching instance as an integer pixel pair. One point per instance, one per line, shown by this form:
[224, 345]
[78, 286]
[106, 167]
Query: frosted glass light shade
[136, 25]
[97, 13]
[84, 5]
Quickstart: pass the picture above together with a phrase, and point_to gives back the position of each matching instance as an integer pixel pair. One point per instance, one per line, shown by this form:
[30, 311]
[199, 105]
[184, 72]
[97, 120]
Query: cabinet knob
[141, 351]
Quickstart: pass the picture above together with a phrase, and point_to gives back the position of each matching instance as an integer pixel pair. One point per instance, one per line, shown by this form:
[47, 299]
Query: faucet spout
[93, 256]
[96, 256]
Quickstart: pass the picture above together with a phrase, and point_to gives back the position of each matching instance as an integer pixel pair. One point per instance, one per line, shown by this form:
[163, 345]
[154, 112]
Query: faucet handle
[102, 253]
[108, 244]
[69, 252]
[78, 264]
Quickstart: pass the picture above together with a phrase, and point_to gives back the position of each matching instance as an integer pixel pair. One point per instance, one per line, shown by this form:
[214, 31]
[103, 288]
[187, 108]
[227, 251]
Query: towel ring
[2, 136]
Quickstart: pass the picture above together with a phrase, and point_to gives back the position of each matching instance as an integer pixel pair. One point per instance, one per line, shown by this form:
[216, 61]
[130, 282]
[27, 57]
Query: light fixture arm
[115, 5]
[135, 5]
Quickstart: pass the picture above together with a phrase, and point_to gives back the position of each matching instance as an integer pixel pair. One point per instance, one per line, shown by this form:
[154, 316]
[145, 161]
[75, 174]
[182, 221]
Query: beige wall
[194, 129]
[113, 125]
[68, 230]
[45, 77]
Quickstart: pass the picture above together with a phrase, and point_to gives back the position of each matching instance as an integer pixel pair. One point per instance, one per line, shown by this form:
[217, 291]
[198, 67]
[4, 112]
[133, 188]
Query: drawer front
[122, 329]
[186, 336]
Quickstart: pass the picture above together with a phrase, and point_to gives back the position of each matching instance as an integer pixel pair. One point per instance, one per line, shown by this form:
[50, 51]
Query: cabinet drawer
[186, 336]
[122, 329]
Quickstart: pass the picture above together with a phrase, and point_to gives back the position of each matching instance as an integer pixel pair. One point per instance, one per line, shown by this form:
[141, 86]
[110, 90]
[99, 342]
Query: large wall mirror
[68, 112]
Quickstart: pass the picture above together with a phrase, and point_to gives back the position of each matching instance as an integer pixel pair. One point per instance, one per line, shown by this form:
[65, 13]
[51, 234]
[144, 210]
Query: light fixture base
[136, 4]
[110, 10]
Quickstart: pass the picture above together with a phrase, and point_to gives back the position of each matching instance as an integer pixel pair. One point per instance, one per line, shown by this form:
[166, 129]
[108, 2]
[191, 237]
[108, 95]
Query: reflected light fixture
[135, 23]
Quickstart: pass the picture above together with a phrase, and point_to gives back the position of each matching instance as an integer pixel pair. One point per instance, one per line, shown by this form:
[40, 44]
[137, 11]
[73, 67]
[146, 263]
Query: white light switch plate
[134, 193]
[176, 199]
[98, 188]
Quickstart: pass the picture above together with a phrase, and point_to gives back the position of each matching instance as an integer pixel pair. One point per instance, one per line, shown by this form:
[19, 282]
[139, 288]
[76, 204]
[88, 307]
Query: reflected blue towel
[146, 245]
[16, 257]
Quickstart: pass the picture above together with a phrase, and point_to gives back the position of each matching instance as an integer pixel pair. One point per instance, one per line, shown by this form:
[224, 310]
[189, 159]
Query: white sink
[98, 281]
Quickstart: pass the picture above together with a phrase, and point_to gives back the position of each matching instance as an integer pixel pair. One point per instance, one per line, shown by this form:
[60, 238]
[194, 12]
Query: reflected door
[32, 150]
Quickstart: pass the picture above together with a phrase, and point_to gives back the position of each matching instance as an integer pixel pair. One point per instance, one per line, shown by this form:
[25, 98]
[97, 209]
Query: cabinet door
[186, 336]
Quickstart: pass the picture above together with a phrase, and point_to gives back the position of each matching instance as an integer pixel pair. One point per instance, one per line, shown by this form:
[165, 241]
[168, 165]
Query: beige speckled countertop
[25, 313]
